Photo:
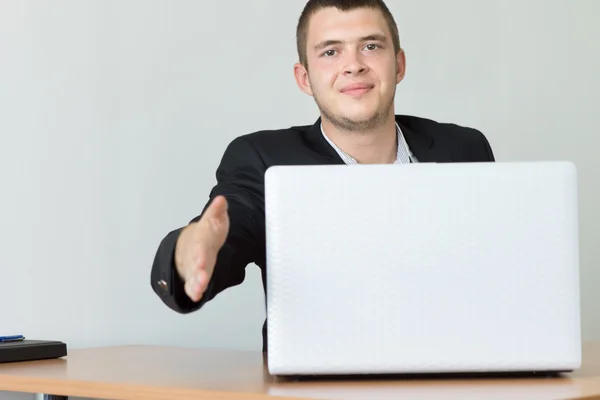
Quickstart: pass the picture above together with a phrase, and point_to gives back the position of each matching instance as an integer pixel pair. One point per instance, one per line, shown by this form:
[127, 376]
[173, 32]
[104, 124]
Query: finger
[197, 285]
[192, 290]
[202, 281]
[200, 255]
[194, 287]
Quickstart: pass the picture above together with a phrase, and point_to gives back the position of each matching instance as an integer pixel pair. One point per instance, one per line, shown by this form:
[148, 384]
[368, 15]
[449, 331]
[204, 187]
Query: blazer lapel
[319, 145]
[423, 146]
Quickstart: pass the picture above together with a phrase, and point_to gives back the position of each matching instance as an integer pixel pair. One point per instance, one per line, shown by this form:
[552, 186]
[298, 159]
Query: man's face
[353, 69]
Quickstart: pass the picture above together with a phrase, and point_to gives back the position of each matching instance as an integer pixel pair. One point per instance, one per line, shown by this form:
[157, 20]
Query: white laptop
[422, 268]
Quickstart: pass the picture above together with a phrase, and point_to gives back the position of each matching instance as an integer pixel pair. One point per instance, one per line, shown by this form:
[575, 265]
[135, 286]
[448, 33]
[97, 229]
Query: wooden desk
[142, 372]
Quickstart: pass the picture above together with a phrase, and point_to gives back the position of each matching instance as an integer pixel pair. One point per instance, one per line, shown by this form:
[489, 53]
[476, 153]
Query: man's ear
[400, 66]
[302, 80]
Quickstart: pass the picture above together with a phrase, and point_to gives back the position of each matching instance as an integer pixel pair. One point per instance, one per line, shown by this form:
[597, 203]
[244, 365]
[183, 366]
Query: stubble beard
[344, 123]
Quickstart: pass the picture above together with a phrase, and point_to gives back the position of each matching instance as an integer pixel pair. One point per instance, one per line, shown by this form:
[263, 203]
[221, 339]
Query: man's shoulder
[438, 129]
[294, 144]
[266, 136]
[463, 142]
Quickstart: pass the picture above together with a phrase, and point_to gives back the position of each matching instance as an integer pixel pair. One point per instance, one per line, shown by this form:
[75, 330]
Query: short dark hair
[343, 5]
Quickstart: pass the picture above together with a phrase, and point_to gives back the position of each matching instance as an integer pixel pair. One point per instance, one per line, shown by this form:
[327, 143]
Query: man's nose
[354, 64]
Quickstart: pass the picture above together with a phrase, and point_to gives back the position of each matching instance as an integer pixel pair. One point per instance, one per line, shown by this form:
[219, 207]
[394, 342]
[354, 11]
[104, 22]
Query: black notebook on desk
[30, 350]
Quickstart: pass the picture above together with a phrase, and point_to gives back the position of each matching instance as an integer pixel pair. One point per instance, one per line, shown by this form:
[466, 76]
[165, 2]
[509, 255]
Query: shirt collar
[403, 153]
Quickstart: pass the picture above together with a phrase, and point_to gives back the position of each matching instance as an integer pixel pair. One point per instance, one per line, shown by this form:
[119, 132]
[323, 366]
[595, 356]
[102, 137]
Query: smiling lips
[357, 89]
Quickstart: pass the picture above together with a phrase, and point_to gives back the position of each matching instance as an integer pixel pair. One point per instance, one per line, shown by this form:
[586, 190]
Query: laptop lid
[461, 267]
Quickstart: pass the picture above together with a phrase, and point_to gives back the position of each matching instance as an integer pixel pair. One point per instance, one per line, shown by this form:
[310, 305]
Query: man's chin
[361, 112]
[362, 115]
[361, 118]
[358, 121]
[355, 117]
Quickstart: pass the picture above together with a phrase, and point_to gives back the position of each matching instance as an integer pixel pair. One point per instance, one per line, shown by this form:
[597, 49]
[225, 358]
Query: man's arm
[487, 149]
[240, 178]
[474, 146]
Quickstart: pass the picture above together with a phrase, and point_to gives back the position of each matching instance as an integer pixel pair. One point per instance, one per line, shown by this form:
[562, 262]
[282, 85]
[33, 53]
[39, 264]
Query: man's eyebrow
[326, 43]
[373, 37]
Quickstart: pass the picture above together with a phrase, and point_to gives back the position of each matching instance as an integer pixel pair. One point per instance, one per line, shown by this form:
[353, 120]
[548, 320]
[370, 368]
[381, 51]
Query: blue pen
[13, 338]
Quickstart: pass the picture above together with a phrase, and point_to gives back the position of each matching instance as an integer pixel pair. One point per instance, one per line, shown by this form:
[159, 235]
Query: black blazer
[240, 178]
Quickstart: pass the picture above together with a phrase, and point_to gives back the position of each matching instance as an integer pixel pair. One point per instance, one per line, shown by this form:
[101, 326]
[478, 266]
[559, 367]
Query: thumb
[216, 212]
[216, 209]
[215, 223]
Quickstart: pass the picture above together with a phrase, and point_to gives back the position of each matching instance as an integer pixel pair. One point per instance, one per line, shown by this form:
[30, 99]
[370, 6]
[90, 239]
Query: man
[350, 61]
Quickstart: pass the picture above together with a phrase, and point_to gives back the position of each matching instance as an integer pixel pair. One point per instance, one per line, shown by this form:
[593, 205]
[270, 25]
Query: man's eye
[372, 47]
[329, 53]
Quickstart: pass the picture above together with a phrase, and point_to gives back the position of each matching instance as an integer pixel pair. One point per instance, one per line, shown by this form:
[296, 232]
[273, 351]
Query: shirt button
[163, 285]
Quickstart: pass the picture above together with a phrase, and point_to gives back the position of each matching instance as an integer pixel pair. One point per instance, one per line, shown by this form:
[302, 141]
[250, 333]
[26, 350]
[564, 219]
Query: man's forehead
[333, 24]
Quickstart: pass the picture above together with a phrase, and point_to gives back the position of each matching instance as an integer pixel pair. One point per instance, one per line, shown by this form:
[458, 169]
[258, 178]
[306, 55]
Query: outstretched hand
[198, 246]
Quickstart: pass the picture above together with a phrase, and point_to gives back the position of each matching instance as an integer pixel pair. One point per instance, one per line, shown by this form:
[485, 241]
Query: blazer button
[163, 285]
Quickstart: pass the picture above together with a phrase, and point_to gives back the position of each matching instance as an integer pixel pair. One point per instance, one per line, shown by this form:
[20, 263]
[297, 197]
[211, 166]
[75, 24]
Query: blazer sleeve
[487, 149]
[475, 147]
[240, 177]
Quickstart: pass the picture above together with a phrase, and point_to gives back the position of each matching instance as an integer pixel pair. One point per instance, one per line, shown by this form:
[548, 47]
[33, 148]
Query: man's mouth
[357, 89]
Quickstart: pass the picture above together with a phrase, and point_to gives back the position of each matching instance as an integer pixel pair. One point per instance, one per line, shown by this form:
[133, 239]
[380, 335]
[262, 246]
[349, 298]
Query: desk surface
[150, 372]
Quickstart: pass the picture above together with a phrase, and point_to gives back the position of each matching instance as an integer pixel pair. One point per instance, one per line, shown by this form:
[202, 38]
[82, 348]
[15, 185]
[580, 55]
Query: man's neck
[375, 146]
